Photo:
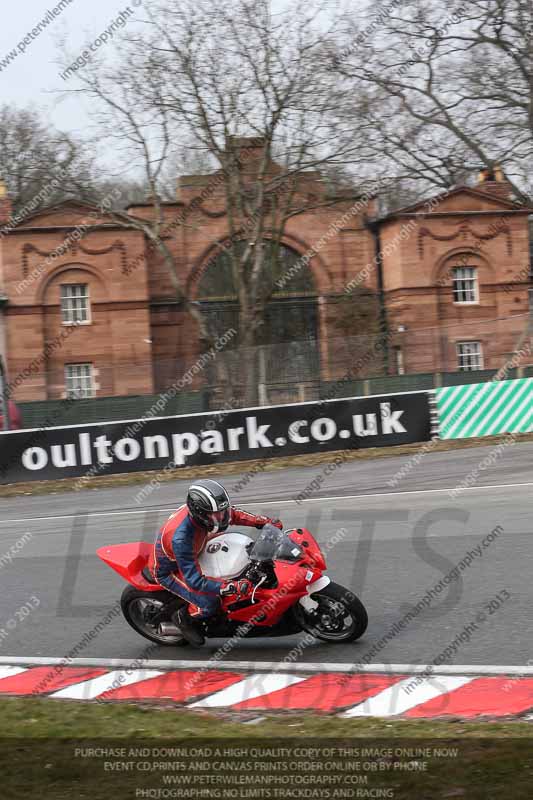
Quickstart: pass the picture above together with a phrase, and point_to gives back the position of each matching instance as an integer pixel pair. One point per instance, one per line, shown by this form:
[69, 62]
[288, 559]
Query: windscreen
[266, 545]
[273, 545]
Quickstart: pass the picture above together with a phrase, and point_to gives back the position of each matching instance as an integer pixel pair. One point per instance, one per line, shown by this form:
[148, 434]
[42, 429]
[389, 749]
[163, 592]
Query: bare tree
[210, 73]
[39, 165]
[449, 87]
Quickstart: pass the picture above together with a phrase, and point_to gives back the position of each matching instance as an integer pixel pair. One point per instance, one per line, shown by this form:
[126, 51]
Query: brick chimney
[248, 149]
[251, 144]
[493, 181]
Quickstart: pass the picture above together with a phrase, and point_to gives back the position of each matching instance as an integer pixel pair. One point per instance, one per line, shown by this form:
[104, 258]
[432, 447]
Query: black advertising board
[156, 443]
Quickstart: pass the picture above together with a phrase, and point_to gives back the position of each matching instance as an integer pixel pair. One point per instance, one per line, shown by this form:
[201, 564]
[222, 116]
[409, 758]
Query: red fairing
[293, 579]
[129, 560]
[312, 553]
[271, 604]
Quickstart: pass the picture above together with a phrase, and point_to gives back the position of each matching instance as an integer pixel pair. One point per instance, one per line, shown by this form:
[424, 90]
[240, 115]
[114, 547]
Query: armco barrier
[199, 439]
[485, 409]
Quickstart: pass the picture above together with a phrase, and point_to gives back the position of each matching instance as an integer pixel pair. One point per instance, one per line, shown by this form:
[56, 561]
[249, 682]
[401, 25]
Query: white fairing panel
[225, 556]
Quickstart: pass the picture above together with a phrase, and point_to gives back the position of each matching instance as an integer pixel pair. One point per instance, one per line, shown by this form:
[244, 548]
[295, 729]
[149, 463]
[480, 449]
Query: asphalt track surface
[391, 545]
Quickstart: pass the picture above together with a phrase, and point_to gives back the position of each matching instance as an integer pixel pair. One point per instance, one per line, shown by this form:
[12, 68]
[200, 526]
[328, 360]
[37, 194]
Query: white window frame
[462, 354]
[398, 355]
[85, 379]
[465, 275]
[68, 304]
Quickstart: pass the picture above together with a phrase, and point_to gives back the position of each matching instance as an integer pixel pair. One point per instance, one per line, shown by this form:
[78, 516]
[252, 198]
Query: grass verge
[245, 467]
[49, 743]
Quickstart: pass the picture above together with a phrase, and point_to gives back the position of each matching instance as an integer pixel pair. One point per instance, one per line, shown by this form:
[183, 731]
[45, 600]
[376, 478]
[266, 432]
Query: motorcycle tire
[326, 623]
[131, 603]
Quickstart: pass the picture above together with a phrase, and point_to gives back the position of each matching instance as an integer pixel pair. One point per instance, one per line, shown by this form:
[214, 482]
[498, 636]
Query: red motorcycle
[280, 583]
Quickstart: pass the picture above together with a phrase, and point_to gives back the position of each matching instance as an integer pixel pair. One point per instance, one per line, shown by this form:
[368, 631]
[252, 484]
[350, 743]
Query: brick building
[446, 280]
[456, 287]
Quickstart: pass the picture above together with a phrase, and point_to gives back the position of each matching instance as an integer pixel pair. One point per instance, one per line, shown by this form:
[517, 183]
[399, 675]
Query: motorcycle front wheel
[340, 616]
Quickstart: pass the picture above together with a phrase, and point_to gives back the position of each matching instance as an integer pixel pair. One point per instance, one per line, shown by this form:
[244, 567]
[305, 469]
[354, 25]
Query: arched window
[281, 263]
[289, 293]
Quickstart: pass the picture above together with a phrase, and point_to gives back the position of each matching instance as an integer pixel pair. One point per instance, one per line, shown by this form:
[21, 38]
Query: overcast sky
[32, 60]
[32, 78]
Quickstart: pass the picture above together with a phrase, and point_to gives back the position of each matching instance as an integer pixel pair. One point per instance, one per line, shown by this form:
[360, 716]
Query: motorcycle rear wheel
[137, 605]
[340, 617]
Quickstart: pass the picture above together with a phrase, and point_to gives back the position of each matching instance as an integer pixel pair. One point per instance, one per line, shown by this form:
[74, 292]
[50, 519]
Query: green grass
[38, 752]
[36, 717]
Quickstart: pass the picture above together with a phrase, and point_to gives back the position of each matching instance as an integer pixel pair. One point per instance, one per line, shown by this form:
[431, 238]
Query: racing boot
[190, 629]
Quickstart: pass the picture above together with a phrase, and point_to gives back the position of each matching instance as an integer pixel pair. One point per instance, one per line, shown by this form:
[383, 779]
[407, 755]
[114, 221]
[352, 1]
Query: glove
[228, 588]
[266, 520]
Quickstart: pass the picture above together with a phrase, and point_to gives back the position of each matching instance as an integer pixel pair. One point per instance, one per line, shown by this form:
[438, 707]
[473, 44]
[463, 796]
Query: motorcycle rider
[178, 545]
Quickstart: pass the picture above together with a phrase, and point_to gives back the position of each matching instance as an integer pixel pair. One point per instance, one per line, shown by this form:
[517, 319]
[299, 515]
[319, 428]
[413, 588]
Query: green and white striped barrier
[485, 409]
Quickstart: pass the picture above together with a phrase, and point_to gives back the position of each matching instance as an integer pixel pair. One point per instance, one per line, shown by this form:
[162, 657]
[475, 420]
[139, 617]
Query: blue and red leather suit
[175, 559]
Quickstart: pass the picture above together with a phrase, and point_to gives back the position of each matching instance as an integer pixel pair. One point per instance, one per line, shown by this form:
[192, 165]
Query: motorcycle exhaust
[168, 629]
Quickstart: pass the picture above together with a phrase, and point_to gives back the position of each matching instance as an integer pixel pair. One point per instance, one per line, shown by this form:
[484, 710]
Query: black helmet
[209, 505]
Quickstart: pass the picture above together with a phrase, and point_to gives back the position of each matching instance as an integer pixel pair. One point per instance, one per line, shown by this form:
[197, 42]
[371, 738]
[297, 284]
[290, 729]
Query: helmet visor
[219, 519]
